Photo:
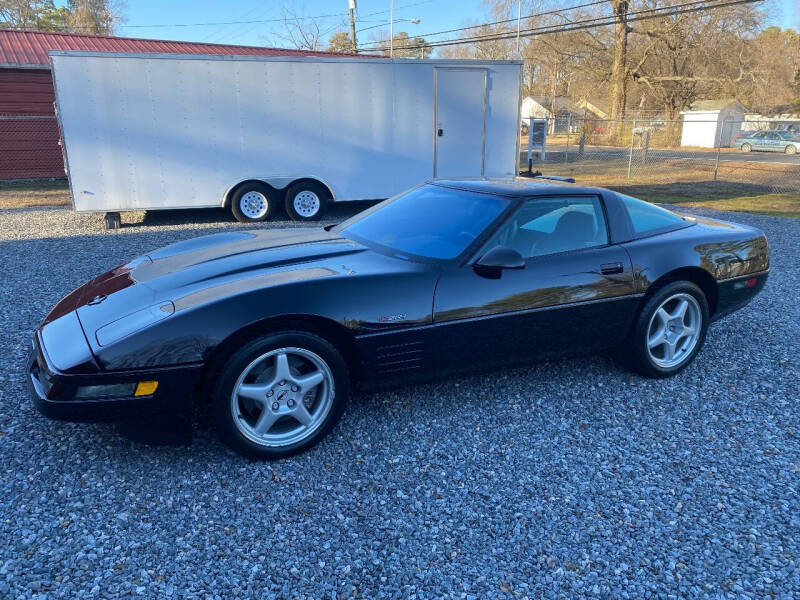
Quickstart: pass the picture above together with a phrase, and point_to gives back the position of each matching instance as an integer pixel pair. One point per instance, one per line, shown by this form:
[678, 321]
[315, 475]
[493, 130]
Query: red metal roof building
[29, 136]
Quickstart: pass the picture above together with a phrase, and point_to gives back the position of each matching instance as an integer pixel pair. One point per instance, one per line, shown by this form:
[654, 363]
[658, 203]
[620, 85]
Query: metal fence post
[719, 146]
[630, 154]
[530, 144]
[569, 126]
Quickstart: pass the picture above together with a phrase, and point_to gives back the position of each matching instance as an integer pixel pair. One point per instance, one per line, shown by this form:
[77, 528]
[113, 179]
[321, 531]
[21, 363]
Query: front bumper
[54, 392]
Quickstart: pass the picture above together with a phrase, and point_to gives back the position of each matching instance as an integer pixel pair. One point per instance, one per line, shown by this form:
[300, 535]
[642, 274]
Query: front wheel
[279, 394]
[252, 203]
[791, 149]
[306, 201]
[670, 330]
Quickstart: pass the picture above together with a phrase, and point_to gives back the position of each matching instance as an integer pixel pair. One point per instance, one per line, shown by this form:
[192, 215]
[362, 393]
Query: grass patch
[767, 189]
[22, 194]
[773, 205]
[749, 198]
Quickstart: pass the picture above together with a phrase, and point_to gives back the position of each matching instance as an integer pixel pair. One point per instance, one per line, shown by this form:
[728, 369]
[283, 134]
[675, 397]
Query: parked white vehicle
[149, 131]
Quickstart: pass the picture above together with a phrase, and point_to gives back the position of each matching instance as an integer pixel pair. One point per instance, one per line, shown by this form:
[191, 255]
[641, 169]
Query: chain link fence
[718, 156]
[29, 147]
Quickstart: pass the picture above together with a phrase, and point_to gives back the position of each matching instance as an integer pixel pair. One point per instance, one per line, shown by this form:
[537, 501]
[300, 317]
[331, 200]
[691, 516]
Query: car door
[774, 142]
[574, 294]
[763, 141]
[756, 140]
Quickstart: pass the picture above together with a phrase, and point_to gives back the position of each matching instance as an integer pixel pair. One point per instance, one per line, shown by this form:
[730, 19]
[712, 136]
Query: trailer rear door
[460, 122]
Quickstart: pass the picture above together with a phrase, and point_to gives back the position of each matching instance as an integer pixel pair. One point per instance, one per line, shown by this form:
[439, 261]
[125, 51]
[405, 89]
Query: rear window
[646, 217]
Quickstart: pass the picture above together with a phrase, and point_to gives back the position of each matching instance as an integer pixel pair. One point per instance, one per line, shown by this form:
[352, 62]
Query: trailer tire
[306, 200]
[253, 202]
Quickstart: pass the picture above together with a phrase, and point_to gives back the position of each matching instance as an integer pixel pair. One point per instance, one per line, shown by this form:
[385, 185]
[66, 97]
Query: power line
[582, 24]
[510, 20]
[592, 23]
[209, 24]
[221, 31]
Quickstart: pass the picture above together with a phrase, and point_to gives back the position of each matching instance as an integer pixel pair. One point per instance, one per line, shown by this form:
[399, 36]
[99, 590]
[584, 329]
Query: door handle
[440, 132]
[611, 268]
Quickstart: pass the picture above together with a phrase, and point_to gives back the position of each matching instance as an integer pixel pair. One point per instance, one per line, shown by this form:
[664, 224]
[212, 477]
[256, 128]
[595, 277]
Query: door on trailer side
[460, 121]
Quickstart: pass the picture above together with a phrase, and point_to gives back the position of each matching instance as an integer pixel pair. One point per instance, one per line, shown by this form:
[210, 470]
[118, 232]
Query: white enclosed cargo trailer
[150, 131]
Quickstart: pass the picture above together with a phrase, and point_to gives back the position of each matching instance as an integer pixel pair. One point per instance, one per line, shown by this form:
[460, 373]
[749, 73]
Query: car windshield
[431, 221]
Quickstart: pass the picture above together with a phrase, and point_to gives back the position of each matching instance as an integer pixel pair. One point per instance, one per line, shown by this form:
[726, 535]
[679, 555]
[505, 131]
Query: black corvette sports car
[273, 327]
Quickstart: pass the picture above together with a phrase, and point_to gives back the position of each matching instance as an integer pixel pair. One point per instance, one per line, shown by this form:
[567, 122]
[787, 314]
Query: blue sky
[434, 15]
[174, 17]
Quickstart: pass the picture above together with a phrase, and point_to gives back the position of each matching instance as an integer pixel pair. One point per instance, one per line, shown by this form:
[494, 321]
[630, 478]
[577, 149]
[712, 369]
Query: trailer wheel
[252, 202]
[306, 200]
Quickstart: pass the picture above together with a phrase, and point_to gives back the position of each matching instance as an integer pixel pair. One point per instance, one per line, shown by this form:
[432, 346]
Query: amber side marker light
[145, 388]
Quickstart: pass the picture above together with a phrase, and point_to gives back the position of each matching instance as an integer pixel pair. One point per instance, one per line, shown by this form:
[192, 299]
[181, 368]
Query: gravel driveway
[568, 479]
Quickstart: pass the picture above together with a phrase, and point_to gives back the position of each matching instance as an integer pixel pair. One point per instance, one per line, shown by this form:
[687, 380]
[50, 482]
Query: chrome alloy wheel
[306, 204]
[253, 205]
[282, 397]
[674, 330]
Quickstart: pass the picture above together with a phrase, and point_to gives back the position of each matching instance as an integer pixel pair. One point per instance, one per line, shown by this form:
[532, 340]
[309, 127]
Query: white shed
[709, 123]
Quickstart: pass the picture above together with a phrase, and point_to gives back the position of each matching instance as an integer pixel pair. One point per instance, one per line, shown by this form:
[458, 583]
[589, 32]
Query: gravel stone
[567, 479]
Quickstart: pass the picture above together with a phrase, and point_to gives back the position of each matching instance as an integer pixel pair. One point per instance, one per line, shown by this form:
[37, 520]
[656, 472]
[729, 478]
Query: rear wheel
[306, 201]
[280, 394]
[791, 149]
[746, 147]
[252, 202]
[670, 330]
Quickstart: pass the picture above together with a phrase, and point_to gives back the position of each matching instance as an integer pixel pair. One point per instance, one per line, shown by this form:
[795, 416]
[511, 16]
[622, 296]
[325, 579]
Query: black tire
[746, 147]
[247, 197]
[312, 201]
[636, 347]
[790, 149]
[227, 376]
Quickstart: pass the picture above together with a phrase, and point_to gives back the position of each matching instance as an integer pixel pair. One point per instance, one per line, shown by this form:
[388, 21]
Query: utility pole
[353, 25]
[519, 17]
[391, 28]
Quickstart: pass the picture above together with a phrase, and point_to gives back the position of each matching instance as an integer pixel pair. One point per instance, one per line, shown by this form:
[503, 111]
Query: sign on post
[537, 139]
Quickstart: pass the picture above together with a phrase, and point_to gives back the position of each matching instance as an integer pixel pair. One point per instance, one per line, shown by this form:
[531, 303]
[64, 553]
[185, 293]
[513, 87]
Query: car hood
[202, 269]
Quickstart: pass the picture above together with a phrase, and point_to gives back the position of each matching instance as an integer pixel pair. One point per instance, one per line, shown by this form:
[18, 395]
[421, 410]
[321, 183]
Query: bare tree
[686, 56]
[94, 16]
[304, 33]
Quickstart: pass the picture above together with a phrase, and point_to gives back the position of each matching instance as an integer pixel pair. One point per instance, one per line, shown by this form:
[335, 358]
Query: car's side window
[549, 225]
[646, 217]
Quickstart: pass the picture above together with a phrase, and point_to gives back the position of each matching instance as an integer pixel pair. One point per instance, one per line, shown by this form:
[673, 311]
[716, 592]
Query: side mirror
[496, 260]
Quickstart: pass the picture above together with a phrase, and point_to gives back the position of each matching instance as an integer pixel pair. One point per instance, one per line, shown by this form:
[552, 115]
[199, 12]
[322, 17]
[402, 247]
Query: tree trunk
[619, 75]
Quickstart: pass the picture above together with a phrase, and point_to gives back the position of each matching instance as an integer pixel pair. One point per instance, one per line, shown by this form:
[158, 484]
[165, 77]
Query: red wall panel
[26, 92]
[29, 135]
